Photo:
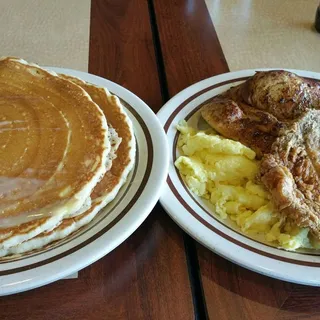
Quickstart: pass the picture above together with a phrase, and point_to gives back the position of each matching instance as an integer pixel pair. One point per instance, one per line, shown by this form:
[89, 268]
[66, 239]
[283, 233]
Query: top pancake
[122, 160]
[54, 148]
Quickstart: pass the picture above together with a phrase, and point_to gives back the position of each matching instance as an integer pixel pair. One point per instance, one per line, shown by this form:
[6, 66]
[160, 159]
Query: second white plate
[191, 214]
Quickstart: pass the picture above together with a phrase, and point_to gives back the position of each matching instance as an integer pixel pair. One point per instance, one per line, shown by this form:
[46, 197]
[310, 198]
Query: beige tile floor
[267, 33]
[52, 33]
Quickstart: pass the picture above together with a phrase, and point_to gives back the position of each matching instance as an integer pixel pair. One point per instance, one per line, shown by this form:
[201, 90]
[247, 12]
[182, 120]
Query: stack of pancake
[66, 148]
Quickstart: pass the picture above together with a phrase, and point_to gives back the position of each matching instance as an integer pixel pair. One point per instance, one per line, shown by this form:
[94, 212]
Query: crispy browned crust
[283, 94]
[291, 172]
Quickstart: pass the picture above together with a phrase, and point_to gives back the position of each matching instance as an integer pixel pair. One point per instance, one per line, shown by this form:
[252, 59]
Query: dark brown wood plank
[190, 47]
[191, 52]
[146, 277]
[122, 50]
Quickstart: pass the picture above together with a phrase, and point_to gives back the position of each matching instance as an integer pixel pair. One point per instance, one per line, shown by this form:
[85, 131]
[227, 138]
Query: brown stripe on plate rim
[199, 218]
[144, 181]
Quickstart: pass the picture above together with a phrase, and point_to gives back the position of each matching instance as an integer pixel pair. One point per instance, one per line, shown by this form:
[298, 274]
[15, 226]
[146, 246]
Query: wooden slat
[191, 52]
[146, 277]
[190, 47]
[122, 50]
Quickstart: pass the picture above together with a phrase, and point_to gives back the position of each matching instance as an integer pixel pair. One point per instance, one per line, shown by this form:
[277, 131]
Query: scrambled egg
[224, 172]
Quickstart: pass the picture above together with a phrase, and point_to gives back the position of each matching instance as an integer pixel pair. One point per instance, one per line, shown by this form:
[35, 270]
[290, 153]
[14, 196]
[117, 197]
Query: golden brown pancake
[53, 149]
[106, 190]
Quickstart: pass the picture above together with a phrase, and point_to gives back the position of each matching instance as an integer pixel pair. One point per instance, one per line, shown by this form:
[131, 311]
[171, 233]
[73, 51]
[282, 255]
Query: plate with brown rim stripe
[117, 221]
[197, 216]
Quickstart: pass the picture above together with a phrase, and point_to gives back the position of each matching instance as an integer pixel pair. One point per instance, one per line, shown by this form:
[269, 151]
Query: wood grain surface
[191, 52]
[190, 48]
[146, 277]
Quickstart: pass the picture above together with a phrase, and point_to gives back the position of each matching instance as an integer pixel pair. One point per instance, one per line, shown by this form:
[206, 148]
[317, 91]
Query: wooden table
[156, 48]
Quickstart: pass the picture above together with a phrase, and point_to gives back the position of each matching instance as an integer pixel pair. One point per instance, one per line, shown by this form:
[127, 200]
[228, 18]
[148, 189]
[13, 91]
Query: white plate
[191, 213]
[117, 221]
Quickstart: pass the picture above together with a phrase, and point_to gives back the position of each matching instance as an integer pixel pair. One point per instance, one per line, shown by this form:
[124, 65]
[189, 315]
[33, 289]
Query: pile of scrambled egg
[224, 172]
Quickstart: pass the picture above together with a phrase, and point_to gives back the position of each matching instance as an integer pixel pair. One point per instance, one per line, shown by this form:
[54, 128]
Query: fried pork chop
[230, 116]
[291, 172]
[277, 114]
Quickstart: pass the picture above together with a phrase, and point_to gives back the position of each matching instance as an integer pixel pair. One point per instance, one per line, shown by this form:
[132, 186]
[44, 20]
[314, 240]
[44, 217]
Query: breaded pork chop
[291, 172]
[281, 93]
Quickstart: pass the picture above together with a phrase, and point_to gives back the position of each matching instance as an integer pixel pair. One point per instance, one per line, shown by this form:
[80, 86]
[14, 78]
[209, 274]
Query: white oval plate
[117, 221]
[192, 213]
